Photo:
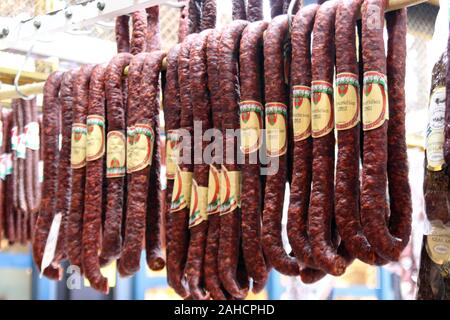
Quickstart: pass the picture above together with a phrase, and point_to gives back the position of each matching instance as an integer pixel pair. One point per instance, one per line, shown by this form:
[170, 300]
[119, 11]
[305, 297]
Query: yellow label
[199, 199]
[375, 100]
[115, 154]
[276, 133]
[301, 112]
[438, 243]
[78, 146]
[251, 124]
[172, 151]
[346, 101]
[435, 136]
[140, 140]
[95, 145]
[181, 195]
[230, 190]
[322, 114]
[213, 191]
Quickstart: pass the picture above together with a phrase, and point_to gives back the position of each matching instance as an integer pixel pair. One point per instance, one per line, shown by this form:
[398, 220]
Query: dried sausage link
[3, 120]
[238, 10]
[276, 8]
[22, 210]
[10, 232]
[255, 10]
[194, 16]
[183, 24]
[122, 29]
[153, 30]
[209, 15]
[139, 34]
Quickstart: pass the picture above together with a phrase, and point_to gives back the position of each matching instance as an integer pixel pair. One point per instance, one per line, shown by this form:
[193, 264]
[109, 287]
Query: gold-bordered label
[199, 199]
[276, 131]
[346, 101]
[375, 100]
[116, 154]
[322, 113]
[181, 195]
[301, 112]
[251, 125]
[95, 144]
[78, 145]
[230, 190]
[438, 243]
[140, 139]
[172, 153]
[213, 191]
[435, 135]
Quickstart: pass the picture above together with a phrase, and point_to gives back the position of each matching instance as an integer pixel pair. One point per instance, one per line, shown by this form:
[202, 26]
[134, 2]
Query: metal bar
[28, 89]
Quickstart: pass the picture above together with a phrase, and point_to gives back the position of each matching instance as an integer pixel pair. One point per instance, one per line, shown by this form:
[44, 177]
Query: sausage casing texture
[153, 30]
[183, 24]
[22, 210]
[321, 208]
[139, 34]
[122, 29]
[3, 117]
[252, 87]
[51, 130]
[194, 16]
[447, 112]
[276, 8]
[255, 10]
[276, 93]
[297, 225]
[238, 10]
[10, 232]
[209, 15]
[75, 218]
[115, 185]
[397, 168]
[230, 222]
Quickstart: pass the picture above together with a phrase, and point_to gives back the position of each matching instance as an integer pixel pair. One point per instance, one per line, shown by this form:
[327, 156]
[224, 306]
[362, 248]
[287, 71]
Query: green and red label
[346, 101]
[251, 125]
[140, 139]
[78, 145]
[276, 129]
[322, 114]
[301, 112]
[199, 199]
[213, 206]
[375, 100]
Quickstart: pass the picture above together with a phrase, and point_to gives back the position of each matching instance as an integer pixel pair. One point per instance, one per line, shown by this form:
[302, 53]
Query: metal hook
[19, 72]
[290, 11]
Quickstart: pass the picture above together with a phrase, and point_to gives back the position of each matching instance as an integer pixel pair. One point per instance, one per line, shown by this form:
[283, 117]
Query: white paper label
[32, 140]
[52, 241]
[21, 151]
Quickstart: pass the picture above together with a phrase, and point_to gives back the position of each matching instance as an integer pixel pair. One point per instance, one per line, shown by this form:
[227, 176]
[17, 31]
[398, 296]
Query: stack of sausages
[20, 178]
[249, 109]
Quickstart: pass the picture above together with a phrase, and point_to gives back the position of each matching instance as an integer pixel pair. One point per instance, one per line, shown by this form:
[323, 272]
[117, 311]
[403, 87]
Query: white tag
[14, 138]
[52, 241]
[8, 164]
[21, 150]
[41, 171]
[32, 140]
[2, 167]
[60, 142]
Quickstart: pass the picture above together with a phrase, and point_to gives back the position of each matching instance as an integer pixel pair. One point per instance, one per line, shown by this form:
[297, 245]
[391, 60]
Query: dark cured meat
[153, 30]
[238, 10]
[139, 34]
[75, 218]
[10, 232]
[64, 191]
[255, 10]
[230, 224]
[297, 225]
[3, 120]
[115, 111]
[183, 24]
[276, 8]
[153, 236]
[93, 199]
[374, 175]
[447, 112]
[123, 33]
[321, 208]
[252, 89]
[22, 211]
[276, 92]
[51, 129]
[201, 114]
[194, 16]
[399, 188]
[209, 15]
[212, 280]
[347, 170]
[172, 109]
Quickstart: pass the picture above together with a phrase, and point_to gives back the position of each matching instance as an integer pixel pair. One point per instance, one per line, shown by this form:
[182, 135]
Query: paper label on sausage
[172, 153]
[251, 125]
[438, 243]
[8, 163]
[276, 131]
[32, 136]
[2, 167]
[213, 191]
[346, 101]
[322, 113]
[21, 150]
[301, 112]
[375, 100]
[116, 154]
[52, 241]
[199, 202]
[41, 170]
[435, 135]
[230, 190]
[181, 195]
[140, 139]
[14, 138]
[78, 145]
[95, 144]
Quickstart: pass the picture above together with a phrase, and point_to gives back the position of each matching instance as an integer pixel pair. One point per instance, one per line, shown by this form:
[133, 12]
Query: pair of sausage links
[399, 188]
[139, 34]
[209, 15]
[51, 130]
[321, 208]
[78, 163]
[347, 108]
[122, 29]
[172, 109]
[153, 30]
[155, 257]
[251, 109]
[230, 222]
[276, 95]
[375, 125]
[116, 156]
[297, 226]
[64, 191]
[93, 200]
[212, 280]
[238, 10]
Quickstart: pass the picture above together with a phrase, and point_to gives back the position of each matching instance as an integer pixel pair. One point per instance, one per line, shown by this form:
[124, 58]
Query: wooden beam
[7, 76]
